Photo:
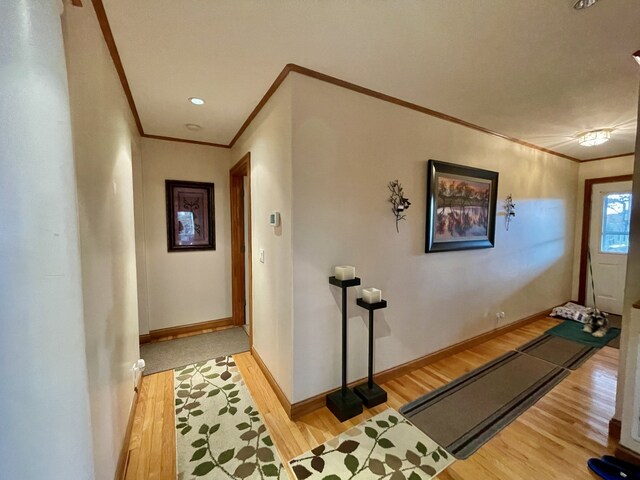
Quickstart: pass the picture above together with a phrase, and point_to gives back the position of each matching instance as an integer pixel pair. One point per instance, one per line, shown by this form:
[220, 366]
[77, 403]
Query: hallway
[553, 439]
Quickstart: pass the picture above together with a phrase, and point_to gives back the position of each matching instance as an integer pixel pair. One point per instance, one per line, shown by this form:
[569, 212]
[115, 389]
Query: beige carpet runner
[220, 433]
[386, 446]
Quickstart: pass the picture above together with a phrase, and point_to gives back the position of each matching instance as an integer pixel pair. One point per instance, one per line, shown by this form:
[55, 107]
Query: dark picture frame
[461, 207]
[190, 216]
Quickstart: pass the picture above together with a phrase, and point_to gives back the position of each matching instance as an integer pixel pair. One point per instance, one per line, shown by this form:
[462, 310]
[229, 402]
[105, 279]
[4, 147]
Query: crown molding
[115, 56]
[418, 108]
[607, 158]
[263, 101]
[291, 67]
[184, 140]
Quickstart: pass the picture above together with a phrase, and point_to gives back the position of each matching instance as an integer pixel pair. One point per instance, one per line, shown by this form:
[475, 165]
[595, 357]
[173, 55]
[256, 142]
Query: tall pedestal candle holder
[371, 393]
[343, 403]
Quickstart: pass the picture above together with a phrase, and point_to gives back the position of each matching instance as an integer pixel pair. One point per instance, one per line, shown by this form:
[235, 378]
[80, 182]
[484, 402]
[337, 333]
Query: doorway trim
[239, 297]
[586, 227]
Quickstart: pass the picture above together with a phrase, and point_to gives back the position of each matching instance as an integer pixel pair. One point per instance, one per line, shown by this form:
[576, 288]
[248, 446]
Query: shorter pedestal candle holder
[371, 393]
[343, 403]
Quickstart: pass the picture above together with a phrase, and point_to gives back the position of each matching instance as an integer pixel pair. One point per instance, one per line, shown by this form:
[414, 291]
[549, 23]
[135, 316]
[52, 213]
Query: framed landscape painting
[190, 216]
[461, 207]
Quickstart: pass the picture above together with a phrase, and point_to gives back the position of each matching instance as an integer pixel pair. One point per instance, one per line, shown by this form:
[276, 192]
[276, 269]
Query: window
[615, 223]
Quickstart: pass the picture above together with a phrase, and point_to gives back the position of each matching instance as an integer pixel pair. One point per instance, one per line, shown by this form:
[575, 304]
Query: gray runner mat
[559, 351]
[466, 413]
[170, 354]
[615, 321]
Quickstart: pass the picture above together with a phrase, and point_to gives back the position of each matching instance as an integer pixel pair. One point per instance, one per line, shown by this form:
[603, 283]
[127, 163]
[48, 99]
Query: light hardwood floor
[552, 440]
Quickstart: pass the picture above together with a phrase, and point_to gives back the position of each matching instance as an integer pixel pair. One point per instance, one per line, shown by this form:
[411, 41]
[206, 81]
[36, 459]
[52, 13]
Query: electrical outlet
[499, 316]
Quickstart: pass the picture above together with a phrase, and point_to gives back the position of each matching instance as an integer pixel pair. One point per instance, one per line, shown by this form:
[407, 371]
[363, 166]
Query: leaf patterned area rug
[220, 433]
[386, 446]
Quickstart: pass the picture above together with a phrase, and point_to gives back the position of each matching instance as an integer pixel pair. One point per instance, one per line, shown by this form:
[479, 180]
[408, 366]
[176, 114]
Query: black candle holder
[371, 393]
[343, 403]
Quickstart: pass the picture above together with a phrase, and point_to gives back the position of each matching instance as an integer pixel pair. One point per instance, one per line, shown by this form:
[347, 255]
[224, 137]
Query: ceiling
[538, 70]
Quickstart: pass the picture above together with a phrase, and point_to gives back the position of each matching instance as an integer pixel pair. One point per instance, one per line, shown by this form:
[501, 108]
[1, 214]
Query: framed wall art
[461, 207]
[190, 216]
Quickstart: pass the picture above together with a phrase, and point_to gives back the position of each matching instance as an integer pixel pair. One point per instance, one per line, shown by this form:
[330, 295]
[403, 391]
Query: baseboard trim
[193, 328]
[282, 398]
[615, 429]
[309, 405]
[123, 458]
[628, 455]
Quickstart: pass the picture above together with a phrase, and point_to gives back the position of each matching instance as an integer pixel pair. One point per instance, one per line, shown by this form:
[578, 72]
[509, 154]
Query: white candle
[372, 295]
[345, 272]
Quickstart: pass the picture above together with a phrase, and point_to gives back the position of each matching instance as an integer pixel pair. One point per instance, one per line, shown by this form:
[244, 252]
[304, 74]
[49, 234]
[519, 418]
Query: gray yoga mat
[559, 351]
[464, 414]
[179, 352]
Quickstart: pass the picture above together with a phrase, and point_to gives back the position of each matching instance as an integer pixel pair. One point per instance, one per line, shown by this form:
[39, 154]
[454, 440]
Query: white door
[609, 243]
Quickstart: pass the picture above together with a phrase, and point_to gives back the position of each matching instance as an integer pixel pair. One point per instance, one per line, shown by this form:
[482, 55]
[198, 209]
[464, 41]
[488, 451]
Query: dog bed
[573, 311]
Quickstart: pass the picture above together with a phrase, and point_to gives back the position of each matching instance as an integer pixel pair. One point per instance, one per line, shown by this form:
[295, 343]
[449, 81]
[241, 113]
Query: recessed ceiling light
[594, 137]
[193, 127]
[636, 57]
[196, 100]
[581, 4]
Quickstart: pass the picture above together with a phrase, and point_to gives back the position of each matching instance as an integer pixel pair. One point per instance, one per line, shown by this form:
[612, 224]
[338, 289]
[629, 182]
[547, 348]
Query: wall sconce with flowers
[399, 202]
[510, 211]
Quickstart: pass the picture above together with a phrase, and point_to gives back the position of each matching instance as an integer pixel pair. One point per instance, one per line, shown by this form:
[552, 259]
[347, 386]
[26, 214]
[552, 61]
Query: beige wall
[269, 141]
[141, 247]
[105, 142]
[628, 385]
[346, 148]
[602, 168]
[628, 391]
[184, 287]
[45, 424]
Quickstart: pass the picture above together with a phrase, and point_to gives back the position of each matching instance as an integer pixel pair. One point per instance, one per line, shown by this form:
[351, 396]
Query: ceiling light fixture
[193, 127]
[196, 101]
[594, 137]
[581, 4]
[636, 57]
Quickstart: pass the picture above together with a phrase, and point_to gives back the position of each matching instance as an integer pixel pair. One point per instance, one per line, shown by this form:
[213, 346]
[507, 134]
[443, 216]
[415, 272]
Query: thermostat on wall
[274, 219]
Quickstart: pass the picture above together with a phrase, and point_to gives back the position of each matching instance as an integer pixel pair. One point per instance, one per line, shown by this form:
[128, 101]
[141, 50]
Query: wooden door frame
[586, 228]
[238, 294]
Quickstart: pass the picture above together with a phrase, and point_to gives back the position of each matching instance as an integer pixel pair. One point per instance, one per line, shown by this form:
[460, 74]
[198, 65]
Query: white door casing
[247, 278]
[609, 266]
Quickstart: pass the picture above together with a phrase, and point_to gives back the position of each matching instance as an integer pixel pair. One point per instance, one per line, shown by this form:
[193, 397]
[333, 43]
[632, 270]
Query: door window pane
[615, 223]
